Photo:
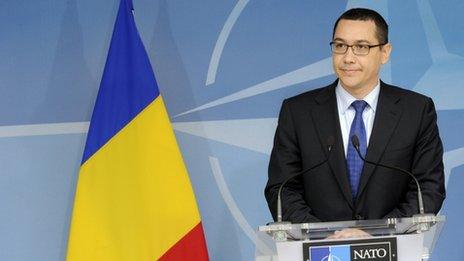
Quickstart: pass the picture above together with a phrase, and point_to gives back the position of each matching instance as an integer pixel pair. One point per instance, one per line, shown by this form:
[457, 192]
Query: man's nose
[349, 56]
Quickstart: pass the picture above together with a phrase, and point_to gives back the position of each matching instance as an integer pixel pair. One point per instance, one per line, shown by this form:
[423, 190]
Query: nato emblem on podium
[375, 249]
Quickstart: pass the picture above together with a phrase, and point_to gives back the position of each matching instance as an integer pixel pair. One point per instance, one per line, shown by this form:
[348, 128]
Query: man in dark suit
[395, 127]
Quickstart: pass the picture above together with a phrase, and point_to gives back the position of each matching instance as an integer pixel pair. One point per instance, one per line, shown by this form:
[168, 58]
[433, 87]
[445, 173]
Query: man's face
[358, 73]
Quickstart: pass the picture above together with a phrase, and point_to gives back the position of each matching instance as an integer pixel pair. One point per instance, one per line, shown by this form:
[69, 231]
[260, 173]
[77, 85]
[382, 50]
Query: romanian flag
[134, 200]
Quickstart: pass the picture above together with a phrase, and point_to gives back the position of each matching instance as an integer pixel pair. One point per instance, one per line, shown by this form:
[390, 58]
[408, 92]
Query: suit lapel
[387, 116]
[325, 117]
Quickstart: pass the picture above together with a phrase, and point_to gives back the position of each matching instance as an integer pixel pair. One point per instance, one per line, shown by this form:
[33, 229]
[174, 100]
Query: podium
[393, 239]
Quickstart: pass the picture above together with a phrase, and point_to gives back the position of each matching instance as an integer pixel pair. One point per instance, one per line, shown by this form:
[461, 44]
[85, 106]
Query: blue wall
[223, 68]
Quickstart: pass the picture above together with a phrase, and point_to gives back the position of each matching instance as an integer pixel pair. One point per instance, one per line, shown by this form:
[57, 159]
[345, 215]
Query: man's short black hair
[363, 14]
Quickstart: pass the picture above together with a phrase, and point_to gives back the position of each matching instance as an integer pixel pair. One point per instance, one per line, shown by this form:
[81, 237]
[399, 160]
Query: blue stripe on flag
[128, 84]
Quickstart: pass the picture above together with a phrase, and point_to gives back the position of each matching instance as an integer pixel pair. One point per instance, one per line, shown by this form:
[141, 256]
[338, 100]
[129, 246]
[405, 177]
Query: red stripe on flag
[191, 247]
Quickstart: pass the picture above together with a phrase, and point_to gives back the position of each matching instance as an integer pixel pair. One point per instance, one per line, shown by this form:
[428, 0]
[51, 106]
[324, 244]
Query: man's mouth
[349, 71]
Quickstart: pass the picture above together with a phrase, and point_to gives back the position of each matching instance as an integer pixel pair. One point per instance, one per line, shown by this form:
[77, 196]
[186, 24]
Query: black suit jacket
[404, 135]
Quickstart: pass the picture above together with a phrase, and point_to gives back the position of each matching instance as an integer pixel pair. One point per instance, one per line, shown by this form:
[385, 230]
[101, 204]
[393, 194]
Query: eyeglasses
[358, 49]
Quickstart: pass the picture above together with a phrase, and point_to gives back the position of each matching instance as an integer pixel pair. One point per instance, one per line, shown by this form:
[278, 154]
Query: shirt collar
[345, 98]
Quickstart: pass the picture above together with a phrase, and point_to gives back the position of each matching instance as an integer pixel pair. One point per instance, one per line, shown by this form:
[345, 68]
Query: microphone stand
[280, 234]
[422, 219]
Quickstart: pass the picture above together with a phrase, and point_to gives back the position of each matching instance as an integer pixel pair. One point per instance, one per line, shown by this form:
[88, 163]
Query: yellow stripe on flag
[134, 198]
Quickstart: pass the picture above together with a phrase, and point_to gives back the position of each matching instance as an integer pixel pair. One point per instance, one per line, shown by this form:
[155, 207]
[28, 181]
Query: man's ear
[385, 52]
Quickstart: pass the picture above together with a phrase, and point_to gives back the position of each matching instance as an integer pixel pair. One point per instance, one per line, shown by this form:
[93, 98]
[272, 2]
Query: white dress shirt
[346, 112]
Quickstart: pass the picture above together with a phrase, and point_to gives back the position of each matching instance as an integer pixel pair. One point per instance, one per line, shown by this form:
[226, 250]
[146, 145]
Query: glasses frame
[353, 50]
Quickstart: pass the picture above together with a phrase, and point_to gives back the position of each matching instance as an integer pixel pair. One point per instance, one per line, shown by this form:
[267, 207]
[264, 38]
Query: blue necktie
[354, 162]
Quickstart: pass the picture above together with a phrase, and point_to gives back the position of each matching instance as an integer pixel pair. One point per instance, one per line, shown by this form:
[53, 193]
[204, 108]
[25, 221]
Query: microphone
[330, 143]
[355, 142]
